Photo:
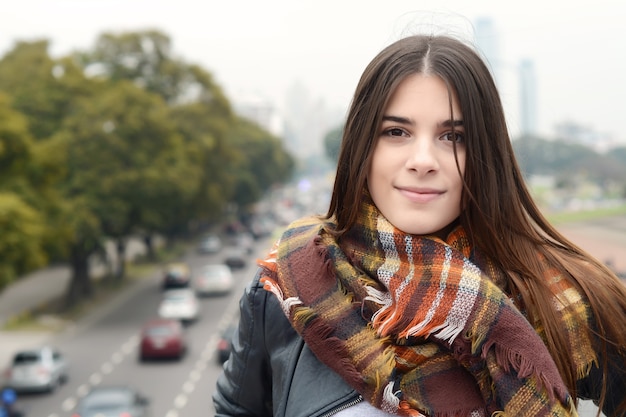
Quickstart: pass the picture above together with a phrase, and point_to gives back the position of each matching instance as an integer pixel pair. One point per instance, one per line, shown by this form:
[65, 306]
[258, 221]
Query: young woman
[433, 286]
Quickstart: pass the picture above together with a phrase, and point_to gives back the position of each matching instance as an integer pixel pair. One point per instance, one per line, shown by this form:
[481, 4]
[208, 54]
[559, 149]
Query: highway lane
[104, 350]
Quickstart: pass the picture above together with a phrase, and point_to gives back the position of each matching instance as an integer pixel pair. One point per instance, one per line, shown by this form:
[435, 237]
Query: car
[245, 241]
[210, 244]
[180, 304]
[162, 338]
[235, 257]
[213, 279]
[113, 400]
[177, 275]
[225, 343]
[39, 369]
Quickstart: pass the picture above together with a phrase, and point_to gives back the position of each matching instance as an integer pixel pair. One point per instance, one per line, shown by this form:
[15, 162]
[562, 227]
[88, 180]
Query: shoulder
[307, 223]
[301, 231]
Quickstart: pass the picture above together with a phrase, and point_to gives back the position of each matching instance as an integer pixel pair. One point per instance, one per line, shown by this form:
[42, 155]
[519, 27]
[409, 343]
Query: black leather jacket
[271, 372]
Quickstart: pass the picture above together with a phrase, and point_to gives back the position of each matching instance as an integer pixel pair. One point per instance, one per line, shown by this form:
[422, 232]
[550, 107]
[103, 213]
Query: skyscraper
[486, 38]
[528, 98]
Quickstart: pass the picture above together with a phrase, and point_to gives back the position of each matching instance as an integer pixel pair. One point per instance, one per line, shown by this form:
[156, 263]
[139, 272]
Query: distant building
[307, 121]
[486, 37]
[573, 132]
[302, 124]
[528, 98]
[261, 111]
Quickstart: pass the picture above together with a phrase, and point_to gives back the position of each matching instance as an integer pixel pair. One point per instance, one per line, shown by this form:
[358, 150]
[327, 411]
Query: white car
[213, 279]
[244, 241]
[180, 304]
[210, 244]
[38, 369]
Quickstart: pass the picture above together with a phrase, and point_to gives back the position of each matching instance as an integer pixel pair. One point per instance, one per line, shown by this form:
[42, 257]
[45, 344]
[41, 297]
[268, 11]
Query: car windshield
[159, 331]
[215, 270]
[177, 297]
[107, 399]
[24, 358]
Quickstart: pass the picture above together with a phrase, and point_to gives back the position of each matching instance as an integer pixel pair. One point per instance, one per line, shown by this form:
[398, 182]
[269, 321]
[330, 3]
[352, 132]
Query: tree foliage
[565, 160]
[262, 162]
[41, 88]
[332, 143]
[22, 224]
[122, 139]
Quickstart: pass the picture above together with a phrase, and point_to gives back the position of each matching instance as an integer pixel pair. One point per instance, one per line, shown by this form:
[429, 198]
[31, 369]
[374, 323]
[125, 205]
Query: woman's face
[413, 178]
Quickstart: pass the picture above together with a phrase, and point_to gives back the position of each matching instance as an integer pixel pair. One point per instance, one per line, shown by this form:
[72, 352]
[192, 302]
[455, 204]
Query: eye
[454, 136]
[394, 131]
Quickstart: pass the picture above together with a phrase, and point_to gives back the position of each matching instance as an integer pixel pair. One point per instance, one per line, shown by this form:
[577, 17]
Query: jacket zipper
[343, 406]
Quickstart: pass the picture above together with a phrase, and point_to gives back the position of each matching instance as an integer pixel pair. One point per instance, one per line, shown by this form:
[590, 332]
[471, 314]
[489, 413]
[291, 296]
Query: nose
[422, 156]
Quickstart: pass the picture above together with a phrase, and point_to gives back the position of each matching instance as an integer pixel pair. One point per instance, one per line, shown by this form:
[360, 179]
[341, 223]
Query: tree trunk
[150, 252]
[121, 259]
[80, 286]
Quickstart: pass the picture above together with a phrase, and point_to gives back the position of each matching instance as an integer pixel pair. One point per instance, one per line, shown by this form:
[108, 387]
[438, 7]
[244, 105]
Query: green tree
[126, 160]
[199, 109]
[22, 224]
[41, 88]
[206, 148]
[147, 59]
[332, 143]
[262, 163]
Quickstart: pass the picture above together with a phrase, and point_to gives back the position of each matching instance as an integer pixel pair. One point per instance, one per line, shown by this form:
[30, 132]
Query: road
[603, 238]
[104, 350]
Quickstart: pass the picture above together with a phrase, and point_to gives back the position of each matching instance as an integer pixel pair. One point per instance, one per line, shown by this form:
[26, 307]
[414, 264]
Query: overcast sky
[264, 47]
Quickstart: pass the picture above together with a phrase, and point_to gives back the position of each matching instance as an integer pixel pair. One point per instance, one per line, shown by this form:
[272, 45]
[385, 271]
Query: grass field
[586, 215]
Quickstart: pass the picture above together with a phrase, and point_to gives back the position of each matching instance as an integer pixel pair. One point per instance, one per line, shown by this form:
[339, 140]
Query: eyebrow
[407, 121]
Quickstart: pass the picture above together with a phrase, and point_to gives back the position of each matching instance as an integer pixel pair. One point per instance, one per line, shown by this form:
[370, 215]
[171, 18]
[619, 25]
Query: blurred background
[135, 132]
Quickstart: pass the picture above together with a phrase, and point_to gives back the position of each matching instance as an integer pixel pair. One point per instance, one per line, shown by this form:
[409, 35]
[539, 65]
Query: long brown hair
[499, 214]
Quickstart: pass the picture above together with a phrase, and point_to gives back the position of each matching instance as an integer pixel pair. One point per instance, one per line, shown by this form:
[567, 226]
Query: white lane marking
[189, 387]
[195, 375]
[69, 404]
[82, 390]
[180, 401]
[117, 358]
[95, 379]
[106, 368]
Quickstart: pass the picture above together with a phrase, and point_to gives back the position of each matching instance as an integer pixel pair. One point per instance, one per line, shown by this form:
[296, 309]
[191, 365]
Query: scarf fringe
[392, 404]
[584, 369]
[285, 304]
[384, 320]
[511, 360]
[325, 344]
[269, 262]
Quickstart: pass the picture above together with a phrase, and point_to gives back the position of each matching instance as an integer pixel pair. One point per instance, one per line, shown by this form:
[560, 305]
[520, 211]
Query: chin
[441, 231]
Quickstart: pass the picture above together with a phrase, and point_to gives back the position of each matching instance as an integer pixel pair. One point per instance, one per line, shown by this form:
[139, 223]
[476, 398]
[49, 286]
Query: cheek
[376, 167]
[461, 157]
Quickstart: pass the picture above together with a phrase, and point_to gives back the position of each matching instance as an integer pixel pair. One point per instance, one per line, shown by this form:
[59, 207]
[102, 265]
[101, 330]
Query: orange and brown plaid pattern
[414, 325]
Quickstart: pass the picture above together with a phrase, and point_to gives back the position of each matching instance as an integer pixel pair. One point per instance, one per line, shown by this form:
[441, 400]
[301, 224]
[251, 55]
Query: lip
[419, 194]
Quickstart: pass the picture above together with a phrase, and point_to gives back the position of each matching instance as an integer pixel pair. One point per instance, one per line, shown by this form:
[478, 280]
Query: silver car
[213, 279]
[180, 304]
[120, 400]
[38, 369]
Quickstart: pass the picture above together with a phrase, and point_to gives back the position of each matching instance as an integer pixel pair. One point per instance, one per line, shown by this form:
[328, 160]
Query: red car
[225, 343]
[162, 338]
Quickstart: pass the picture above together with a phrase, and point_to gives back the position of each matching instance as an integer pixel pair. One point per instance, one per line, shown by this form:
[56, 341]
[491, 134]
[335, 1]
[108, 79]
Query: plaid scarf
[414, 325]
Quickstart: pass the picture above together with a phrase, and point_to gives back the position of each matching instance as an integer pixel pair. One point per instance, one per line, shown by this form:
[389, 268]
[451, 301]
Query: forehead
[425, 95]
